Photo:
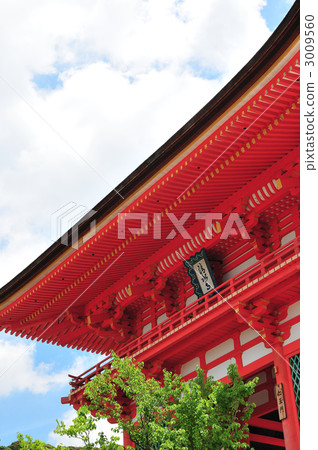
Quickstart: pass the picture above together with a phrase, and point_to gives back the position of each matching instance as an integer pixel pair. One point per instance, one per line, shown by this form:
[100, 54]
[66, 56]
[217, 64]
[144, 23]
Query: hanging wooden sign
[200, 272]
[280, 401]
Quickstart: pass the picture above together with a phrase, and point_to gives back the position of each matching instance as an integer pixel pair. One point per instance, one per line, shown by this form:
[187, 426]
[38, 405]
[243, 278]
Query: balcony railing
[224, 292]
[237, 284]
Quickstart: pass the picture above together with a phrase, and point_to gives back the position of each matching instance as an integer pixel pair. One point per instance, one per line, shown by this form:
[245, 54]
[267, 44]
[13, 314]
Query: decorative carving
[290, 178]
[174, 297]
[264, 317]
[266, 237]
[261, 242]
[153, 368]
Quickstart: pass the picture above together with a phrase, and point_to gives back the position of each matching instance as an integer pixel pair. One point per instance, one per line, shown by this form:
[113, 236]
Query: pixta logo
[65, 223]
[233, 227]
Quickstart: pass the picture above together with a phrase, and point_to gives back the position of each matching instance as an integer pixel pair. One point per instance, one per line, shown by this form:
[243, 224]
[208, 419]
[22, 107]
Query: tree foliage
[81, 428]
[172, 414]
[27, 443]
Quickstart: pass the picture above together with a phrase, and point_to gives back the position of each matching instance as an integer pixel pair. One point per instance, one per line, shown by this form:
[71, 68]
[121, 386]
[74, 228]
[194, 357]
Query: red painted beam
[265, 423]
[267, 440]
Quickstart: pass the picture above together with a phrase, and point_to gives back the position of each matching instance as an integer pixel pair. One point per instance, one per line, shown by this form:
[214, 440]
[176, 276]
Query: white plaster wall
[293, 311]
[220, 371]
[288, 237]
[245, 265]
[248, 335]
[191, 299]
[219, 350]
[146, 328]
[162, 318]
[255, 353]
[190, 366]
[294, 334]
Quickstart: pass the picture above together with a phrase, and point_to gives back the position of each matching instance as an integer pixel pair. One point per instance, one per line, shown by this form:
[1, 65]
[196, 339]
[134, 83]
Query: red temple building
[134, 278]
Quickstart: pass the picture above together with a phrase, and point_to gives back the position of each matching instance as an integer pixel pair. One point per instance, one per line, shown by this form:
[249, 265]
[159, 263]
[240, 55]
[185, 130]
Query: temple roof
[261, 62]
[247, 132]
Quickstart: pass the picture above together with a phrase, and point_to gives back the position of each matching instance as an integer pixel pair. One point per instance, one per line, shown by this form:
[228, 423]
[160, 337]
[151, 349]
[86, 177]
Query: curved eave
[279, 41]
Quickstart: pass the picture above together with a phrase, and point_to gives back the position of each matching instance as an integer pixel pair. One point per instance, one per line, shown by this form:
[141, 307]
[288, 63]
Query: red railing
[85, 377]
[232, 286]
[189, 313]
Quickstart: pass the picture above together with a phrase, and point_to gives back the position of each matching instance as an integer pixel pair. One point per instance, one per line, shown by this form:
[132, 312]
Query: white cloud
[130, 34]
[132, 74]
[19, 372]
[68, 416]
[98, 112]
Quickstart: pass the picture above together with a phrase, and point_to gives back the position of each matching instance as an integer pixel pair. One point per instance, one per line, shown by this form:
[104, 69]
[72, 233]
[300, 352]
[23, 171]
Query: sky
[89, 89]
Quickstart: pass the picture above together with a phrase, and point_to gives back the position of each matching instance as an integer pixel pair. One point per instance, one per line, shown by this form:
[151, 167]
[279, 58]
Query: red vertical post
[283, 375]
[127, 441]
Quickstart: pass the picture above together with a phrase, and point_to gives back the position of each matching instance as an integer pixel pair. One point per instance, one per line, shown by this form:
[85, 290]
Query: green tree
[81, 428]
[27, 443]
[201, 414]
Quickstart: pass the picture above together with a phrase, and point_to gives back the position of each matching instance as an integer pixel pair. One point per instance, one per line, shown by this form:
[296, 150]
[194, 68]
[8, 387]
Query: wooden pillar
[283, 375]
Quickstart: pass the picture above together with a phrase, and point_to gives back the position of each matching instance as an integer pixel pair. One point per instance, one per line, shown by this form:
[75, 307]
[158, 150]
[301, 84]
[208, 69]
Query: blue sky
[109, 82]
[47, 81]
